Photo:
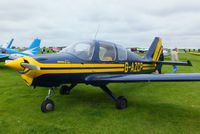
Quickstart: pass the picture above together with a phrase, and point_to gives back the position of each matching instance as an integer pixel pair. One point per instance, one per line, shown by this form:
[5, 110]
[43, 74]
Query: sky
[131, 23]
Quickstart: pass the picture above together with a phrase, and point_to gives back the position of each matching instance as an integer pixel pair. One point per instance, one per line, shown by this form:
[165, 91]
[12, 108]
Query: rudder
[35, 46]
[155, 50]
[10, 43]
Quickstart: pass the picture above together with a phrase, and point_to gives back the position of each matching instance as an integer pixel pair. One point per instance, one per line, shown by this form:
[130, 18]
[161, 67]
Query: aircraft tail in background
[10, 43]
[34, 47]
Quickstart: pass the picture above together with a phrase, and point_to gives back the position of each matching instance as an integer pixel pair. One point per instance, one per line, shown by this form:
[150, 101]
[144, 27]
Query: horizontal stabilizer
[188, 63]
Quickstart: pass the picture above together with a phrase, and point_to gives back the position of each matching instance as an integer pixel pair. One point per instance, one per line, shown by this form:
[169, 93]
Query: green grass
[154, 108]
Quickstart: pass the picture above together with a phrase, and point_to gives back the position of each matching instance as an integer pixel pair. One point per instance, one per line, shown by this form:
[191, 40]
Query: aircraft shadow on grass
[164, 112]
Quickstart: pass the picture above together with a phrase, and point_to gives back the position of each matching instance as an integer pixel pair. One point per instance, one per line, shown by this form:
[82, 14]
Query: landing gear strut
[120, 102]
[48, 105]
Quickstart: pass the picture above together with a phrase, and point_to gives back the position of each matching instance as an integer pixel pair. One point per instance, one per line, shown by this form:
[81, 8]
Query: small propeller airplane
[97, 63]
[3, 56]
[14, 54]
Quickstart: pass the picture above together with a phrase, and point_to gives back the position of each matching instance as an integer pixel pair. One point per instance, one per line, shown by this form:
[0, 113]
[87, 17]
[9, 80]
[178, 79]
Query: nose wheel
[47, 106]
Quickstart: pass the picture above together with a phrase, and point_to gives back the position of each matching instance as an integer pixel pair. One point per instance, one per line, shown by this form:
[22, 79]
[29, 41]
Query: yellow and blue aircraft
[97, 63]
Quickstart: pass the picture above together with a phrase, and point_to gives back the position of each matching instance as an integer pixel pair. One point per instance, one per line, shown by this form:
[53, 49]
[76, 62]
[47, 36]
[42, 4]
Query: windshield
[82, 50]
[107, 52]
[122, 53]
[2, 50]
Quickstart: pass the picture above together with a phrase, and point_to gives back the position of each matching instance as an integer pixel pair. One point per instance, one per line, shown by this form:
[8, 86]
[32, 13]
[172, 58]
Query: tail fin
[35, 46]
[10, 43]
[155, 50]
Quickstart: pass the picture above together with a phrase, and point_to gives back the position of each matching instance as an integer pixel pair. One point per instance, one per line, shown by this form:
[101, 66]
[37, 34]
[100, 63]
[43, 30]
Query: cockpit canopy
[83, 50]
[106, 51]
[3, 51]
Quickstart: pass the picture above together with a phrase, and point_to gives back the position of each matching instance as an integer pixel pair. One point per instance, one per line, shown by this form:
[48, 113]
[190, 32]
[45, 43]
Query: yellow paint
[126, 67]
[32, 61]
[194, 53]
[29, 76]
[15, 64]
[61, 62]
[159, 54]
[28, 80]
[157, 50]
[32, 74]
[148, 68]
[149, 65]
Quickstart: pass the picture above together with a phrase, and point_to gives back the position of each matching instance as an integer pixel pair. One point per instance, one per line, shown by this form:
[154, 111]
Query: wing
[3, 56]
[143, 77]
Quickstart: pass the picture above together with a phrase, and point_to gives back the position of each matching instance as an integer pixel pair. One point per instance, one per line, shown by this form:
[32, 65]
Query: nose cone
[15, 64]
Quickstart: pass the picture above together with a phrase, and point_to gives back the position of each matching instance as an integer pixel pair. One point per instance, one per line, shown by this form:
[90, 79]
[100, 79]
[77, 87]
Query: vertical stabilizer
[35, 46]
[10, 43]
[155, 50]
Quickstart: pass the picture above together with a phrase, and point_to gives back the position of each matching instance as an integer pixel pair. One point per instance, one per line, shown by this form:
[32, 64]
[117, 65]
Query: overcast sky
[129, 22]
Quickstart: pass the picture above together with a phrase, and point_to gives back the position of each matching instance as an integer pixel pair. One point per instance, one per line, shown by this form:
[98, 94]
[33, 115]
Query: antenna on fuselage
[97, 32]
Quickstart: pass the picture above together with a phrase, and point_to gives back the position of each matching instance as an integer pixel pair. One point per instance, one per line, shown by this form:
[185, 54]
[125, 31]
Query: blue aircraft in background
[7, 45]
[7, 53]
[3, 56]
[10, 43]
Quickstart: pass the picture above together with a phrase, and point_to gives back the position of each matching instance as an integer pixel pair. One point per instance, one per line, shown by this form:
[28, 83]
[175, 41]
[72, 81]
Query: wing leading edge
[3, 56]
[143, 77]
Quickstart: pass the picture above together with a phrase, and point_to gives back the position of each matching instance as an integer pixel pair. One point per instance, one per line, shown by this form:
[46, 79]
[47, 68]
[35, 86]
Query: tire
[64, 90]
[47, 106]
[121, 102]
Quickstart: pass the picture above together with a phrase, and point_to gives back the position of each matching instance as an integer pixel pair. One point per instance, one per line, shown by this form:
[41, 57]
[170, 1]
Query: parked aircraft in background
[10, 43]
[14, 54]
[194, 53]
[142, 50]
[166, 52]
[7, 45]
[97, 63]
[2, 56]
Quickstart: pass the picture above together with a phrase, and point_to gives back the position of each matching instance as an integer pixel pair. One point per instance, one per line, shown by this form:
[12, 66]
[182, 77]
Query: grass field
[154, 108]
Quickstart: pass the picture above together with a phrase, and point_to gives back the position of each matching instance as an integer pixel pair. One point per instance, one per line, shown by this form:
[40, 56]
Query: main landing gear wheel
[47, 106]
[121, 102]
[65, 90]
